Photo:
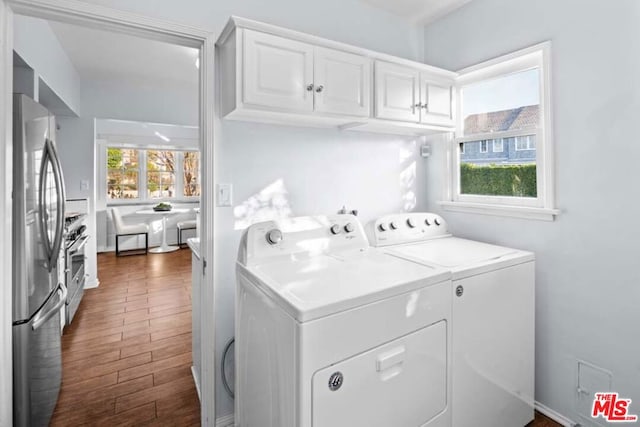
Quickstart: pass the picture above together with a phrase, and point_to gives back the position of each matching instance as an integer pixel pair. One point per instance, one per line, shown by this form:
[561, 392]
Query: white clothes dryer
[331, 332]
[493, 315]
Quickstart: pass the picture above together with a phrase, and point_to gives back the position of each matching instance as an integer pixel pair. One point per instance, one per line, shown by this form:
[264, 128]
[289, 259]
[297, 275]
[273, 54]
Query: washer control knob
[436, 221]
[348, 227]
[335, 229]
[411, 222]
[393, 225]
[382, 227]
[426, 221]
[274, 236]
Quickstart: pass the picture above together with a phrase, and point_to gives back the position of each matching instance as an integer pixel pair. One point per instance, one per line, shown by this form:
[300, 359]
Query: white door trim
[6, 186]
[79, 13]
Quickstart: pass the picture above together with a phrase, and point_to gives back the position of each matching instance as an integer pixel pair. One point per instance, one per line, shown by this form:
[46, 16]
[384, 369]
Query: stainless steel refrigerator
[38, 227]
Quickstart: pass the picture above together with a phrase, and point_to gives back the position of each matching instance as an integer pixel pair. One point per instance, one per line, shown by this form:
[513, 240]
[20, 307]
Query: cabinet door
[436, 102]
[277, 72]
[396, 92]
[342, 82]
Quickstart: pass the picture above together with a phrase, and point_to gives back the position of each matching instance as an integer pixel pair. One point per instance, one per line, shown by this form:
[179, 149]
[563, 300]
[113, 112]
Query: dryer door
[401, 383]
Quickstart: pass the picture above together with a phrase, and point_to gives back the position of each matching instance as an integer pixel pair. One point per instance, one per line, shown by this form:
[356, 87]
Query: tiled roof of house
[516, 118]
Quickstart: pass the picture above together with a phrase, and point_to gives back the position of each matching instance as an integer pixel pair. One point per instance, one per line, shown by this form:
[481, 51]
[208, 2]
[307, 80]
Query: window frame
[143, 197]
[486, 146]
[542, 206]
[528, 143]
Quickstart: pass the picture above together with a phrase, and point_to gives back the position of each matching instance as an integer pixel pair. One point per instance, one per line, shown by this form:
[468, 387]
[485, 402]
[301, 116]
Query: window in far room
[151, 175]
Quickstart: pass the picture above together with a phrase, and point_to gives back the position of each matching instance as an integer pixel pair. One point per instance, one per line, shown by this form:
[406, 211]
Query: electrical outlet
[225, 197]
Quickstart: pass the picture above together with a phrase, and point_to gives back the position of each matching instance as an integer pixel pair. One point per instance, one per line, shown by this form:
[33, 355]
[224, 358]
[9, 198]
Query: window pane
[191, 177]
[505, 103]
[122, 173]
[510, 172]
[161, 177]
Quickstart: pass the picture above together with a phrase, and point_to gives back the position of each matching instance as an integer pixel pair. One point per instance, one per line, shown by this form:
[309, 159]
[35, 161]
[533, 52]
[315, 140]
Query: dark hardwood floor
[127, 354]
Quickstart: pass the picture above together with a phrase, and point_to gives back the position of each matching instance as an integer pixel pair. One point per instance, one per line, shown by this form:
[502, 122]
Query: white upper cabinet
[274, 75]
[342, 83]
[411, 95]
[278, 72]
[436, 101]
[397, 92]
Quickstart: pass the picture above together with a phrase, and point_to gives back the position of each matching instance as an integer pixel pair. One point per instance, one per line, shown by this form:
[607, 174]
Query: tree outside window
[161, 174]
[122, 173]
[191, 173]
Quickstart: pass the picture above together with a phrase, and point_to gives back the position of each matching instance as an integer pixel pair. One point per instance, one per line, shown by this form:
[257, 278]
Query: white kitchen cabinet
[411, 95]
[436, 101]
[342, 82]
[277, 72]
[397, 92]
[273, 75]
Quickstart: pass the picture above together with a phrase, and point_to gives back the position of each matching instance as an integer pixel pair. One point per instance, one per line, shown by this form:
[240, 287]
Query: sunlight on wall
[408, 176]
[270, 203]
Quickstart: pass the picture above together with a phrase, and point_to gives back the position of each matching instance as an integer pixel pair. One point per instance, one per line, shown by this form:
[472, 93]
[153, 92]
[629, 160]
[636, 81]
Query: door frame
[79, 13]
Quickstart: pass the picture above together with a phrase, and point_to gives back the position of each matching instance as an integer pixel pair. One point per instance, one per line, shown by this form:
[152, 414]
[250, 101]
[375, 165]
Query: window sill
[151, 202]
[540, 214]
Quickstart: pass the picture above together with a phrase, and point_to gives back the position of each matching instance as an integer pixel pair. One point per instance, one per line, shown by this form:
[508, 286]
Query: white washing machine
[332, 332]
[492, 319]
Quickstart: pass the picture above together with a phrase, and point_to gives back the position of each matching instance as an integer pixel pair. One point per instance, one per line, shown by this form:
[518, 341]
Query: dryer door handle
[390, 358]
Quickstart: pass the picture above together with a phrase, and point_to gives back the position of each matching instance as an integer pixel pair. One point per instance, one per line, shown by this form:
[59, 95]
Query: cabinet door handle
[419, 105]
[319, 88]
[310, 87]
[425, 106]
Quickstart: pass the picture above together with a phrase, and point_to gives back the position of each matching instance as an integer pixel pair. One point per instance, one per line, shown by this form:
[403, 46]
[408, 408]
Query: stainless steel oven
[75, 258]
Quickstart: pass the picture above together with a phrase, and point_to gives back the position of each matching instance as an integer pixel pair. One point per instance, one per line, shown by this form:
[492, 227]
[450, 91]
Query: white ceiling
[101, 55]
[419, 11]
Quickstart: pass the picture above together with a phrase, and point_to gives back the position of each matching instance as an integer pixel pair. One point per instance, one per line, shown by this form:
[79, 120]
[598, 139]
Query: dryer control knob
[335, 229]
[349, 227]
[274, 237]
[426, 221]
[382, 227]
[393, 225]
[436, 221]
[411, 222]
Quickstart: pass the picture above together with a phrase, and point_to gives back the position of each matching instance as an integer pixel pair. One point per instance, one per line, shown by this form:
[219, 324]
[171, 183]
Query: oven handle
[79, 245]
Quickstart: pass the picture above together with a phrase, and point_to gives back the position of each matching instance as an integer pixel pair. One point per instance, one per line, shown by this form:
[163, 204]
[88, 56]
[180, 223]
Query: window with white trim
[141, 175]
[526, 142]
[504, 101]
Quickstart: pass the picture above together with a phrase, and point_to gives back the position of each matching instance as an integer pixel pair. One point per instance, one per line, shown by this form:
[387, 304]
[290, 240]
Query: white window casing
[541, 207]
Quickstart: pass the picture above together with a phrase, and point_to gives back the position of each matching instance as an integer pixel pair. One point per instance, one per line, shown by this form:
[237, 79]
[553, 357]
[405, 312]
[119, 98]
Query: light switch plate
[225, 196]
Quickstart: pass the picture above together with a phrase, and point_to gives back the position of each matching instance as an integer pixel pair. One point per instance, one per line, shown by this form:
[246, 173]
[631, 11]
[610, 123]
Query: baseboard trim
[226, 421]
[555, 416]
[92, 284]
[196, 380]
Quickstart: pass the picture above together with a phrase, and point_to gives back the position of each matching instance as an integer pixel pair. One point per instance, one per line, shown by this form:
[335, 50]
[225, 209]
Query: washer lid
[313, 287]
[462, 255]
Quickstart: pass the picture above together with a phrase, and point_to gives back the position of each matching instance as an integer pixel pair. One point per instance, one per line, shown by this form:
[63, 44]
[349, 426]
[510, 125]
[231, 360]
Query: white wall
[74, 141]
[588, 286]
[137, 100]
[37, 44]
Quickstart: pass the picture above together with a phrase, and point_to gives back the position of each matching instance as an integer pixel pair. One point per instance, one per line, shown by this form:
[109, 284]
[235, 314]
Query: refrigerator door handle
[42, 209]
[41, 318]
[60, 200]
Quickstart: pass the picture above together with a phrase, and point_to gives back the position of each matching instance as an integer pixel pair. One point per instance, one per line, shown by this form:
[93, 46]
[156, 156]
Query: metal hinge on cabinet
[204, 266]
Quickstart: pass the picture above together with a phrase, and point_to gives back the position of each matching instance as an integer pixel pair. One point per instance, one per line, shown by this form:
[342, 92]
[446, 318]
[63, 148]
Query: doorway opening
[157, 182]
